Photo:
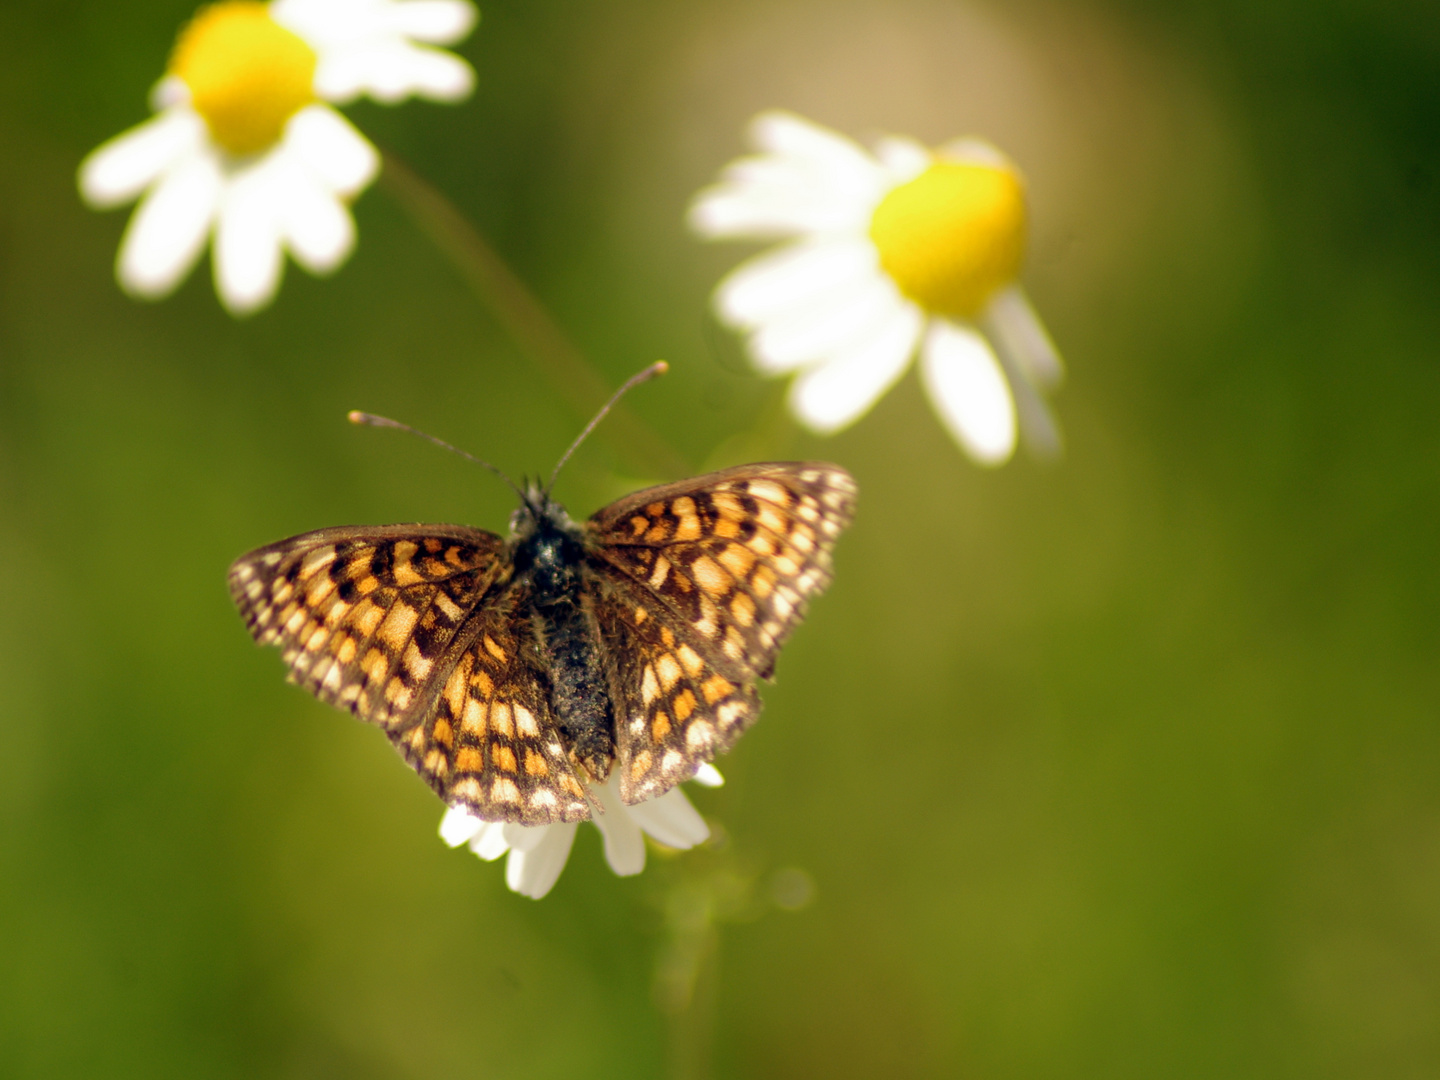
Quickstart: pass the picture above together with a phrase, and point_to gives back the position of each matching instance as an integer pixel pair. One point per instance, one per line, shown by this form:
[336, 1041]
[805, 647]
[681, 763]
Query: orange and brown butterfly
[514, 672]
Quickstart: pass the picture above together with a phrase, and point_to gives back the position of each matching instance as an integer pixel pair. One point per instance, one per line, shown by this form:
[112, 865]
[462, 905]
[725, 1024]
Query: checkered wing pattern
[699, 583]
[397, 624]
[491, 744]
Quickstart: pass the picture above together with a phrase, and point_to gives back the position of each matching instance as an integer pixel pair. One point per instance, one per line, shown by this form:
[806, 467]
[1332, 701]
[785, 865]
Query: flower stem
[524, 318]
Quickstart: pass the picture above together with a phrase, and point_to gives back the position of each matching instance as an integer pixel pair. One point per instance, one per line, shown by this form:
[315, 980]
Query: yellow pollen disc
[247, 74]
[952, 236]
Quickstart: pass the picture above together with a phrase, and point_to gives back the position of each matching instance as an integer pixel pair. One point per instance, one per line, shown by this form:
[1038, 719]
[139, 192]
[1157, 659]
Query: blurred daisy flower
[905, 249]
[538, 852]
[245, 146]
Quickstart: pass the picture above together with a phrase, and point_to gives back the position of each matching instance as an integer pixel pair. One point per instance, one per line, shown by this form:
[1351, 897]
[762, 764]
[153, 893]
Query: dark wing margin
[703, 580]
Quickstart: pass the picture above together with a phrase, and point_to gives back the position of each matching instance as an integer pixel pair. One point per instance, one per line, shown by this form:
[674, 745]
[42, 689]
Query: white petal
[332, 148]
[525, 837]
[968, 390]
[459, 825]
[773, 198]
[902, 157]
[973, 151]
[533, 872]
[1026, 355]
[790, 135]
[489, 843]
[439, 22]
[804, 336]
[838, 393]
[392, 70]
[1010, 320]
[315, 224]
[791, 278]
[708, 776]
[671, 820]
[809, 179]
[624, 844]
[248, 256]
[168, 92]
[119, 169]
[329, 24]
[168, 230]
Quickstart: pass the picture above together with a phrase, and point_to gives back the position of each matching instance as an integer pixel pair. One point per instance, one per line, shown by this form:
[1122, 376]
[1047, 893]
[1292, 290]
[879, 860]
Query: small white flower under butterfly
[886, 253]
[246, 147]
[538, 852]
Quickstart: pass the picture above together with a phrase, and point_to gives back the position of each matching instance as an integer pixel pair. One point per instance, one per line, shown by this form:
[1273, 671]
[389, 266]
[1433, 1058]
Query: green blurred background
[1124, 767]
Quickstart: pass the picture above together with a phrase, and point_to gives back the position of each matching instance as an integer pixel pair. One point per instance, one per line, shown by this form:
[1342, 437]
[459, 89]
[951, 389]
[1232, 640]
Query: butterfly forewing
[363, 616]
[715, 572]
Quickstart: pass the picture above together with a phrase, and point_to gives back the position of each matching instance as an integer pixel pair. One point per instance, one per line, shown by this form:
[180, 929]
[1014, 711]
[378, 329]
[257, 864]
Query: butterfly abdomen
[548, 565]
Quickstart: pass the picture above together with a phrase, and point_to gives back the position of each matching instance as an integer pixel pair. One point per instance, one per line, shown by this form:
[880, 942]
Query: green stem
[523, 317]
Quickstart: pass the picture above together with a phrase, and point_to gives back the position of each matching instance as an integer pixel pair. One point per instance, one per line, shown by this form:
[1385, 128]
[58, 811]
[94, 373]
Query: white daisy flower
[538, 852]
[245, 151]
[886, 253]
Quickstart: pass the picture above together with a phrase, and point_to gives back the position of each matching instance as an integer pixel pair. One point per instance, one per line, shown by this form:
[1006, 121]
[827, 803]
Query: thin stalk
[525, 319]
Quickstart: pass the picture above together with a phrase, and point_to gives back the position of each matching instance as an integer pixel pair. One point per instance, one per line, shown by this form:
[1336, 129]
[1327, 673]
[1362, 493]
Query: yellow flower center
[952, 236]
[247, 74]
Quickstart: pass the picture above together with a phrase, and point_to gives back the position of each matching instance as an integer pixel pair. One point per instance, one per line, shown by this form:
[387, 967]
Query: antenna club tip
[660, 367]
[355, 416]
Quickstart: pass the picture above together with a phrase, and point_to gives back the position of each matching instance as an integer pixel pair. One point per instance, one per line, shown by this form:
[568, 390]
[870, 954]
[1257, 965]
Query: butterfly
[514, 672]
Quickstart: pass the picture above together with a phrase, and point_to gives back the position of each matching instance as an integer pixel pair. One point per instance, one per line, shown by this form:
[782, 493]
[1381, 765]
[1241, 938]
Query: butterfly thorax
[549, 560]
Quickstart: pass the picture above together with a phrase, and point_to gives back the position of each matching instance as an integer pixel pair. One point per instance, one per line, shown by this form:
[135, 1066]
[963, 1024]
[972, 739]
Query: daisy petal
[792, 277]
[1038, 426]
[168, 230]
[774, 198]
[788, 135]
[973, 151]
[524, 837]
[708, 776]
[438, 22]
[436, 74]
[671, 820]
[810, 179]
[119, 169]
[624, 844]
[458, 826]
[331, 147]
[823, 328]
[316, 226]
[169, 92]
[533, 872]
[489, 843]
[390, 71]
[903, 158]
[1010, 320]
[968, 390]
[839, 392]
[248, 257]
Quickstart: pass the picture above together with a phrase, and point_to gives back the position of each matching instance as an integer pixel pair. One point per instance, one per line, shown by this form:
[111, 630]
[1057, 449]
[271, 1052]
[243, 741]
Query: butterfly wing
[411, 629]
[706, 579]
[491, 743]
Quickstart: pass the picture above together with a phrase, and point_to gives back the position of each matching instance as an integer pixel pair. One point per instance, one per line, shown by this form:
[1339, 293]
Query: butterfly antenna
[371, 420]
[657, 368]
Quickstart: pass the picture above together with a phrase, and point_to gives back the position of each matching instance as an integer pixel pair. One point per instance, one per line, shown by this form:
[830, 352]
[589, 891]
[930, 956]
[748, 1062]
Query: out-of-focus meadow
[1121, 767]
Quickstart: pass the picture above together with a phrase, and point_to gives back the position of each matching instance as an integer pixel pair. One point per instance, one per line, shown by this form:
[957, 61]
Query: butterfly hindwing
[674, 710]
[491, 743]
